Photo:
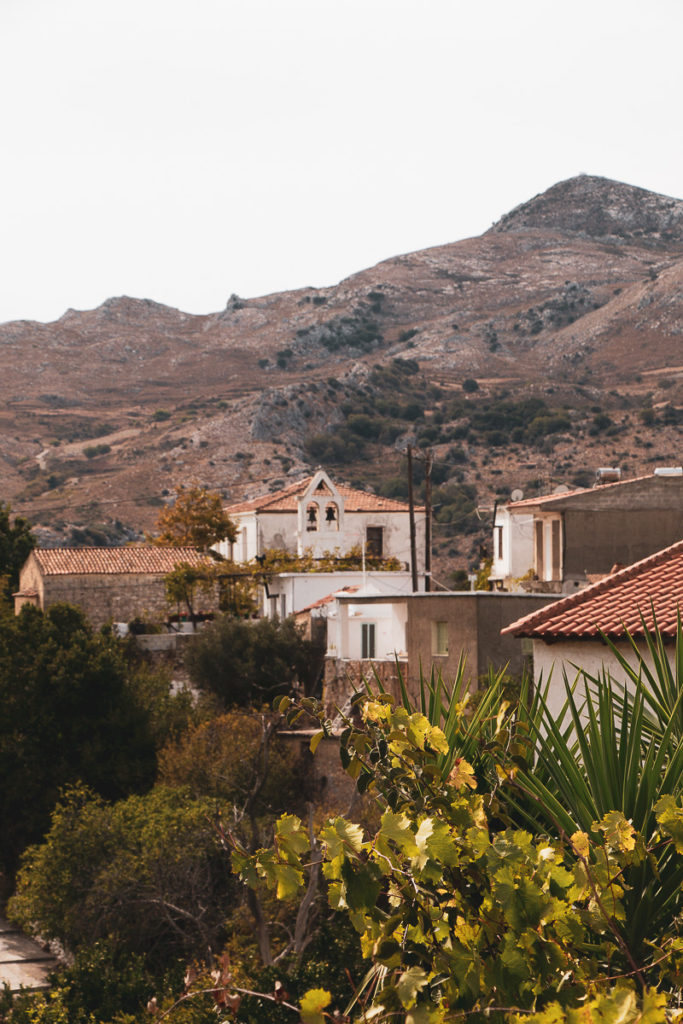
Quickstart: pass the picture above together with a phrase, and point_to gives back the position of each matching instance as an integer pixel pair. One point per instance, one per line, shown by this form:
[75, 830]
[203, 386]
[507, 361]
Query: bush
[93, 450]
[222, 758]
[147, 873]
[469, 385]
[247, 663]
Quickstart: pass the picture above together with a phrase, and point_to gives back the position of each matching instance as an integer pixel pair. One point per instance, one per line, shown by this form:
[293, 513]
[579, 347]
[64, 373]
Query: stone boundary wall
[115, 597]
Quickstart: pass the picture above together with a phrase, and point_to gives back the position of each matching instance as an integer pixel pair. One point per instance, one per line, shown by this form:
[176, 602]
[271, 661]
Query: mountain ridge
[536, 308]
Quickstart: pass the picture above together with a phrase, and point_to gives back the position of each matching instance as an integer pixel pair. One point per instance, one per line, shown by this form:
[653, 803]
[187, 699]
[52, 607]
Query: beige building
[368, 633]
[558, 543]
[109, 584]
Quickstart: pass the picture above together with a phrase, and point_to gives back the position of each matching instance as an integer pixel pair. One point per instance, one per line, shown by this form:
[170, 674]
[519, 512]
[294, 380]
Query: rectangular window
[440, 638]
[367, 634]
[374, 539]
[499, 542]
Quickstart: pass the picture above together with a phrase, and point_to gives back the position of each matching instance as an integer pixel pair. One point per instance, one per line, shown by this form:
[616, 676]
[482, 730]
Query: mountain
[568, 314]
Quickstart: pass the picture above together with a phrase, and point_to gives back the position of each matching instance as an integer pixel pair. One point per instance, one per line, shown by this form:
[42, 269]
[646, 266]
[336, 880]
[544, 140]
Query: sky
[186, 150]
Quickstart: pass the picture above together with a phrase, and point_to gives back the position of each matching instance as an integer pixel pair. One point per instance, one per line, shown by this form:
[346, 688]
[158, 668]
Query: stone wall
[342, 677]
[115, 597]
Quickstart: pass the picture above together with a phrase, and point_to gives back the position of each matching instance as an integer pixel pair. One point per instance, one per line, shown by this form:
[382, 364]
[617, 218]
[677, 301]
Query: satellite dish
[517, 494]
[562, 489]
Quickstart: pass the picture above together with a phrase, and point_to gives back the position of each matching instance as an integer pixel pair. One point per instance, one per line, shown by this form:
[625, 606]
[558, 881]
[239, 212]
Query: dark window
[374, 538]
[367, 640]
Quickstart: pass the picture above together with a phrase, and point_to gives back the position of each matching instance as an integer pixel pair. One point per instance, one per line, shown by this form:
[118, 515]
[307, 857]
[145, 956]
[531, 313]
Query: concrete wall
[474, 621]
[264, 530]
[302, 589]
[597, 539]
[553, 661]
[517, 556]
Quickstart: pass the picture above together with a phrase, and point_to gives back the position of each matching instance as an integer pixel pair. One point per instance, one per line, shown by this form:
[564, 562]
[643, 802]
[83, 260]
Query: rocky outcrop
[599, 208]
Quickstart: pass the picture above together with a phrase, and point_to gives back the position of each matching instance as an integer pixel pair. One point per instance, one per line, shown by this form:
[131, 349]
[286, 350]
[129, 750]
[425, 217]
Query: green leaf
[363, 885]
[410, 984]
[342, 837]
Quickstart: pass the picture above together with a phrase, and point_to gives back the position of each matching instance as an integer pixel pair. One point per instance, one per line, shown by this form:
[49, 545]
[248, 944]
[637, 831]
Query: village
[569, 570]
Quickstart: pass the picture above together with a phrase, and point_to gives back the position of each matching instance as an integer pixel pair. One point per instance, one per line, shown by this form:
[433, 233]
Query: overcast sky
[183, 150]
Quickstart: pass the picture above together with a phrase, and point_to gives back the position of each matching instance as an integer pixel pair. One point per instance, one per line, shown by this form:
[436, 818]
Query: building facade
[317, 516]
[108, 584]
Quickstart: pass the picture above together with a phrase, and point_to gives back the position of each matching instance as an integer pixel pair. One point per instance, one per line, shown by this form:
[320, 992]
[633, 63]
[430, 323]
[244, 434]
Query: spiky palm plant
[619, 750]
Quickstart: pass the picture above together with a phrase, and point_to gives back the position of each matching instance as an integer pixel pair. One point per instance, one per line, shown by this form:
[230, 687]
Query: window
[440, 638]
[367, 639]
[374, 541]
[283, 606]
[499, 542]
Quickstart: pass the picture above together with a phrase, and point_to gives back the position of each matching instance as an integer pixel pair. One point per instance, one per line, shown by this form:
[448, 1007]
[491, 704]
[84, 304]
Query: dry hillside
[568, 314]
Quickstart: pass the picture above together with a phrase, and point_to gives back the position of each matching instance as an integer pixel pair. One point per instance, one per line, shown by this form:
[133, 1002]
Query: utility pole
[411, 506]
[428, 519]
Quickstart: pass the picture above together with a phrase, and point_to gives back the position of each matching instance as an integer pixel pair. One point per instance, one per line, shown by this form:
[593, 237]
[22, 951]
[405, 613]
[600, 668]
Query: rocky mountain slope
[568, 314]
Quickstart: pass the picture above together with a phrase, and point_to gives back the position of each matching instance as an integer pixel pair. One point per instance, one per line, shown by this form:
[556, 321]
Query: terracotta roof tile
[285, 500]
[114, 561]
[651, 588]
[328, 599]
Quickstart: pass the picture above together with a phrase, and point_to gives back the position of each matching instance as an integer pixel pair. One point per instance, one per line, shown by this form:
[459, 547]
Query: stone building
[108, 584]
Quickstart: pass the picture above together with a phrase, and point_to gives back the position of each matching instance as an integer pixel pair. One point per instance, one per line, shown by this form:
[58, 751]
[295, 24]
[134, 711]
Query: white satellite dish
[561, 489]
[517, 494]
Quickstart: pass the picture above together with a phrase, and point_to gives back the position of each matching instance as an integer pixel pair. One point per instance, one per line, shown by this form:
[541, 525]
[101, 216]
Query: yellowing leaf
[342, 837]
[462, 774]
[619, 832]
[670, 820]
[581, 844]
[313, 1004]
[315, 740]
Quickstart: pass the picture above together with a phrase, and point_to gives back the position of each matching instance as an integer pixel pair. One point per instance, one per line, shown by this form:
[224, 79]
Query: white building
[316, 515]
[568, 635]
[560, 542]
[288, 593]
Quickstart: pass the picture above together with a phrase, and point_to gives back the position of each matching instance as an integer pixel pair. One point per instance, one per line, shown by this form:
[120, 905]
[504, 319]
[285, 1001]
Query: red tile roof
[114, 561]
[328, 599]
[285, 500]
[616, 603]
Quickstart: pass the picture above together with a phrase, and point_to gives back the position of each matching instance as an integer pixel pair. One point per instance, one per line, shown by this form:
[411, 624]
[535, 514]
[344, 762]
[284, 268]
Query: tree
[196, 519]
[247, 663]
[146, 873]
[16, 544]
[67, 712]
[465, 915]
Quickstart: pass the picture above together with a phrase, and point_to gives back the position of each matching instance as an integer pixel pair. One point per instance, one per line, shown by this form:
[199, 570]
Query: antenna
[517, 494]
